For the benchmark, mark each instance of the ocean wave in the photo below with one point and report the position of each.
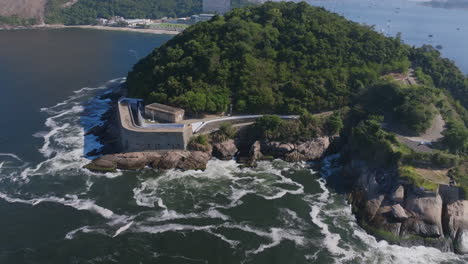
(69, 200)
(65, 143)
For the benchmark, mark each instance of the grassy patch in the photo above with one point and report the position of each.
(17, 21)
(381, 234)
(409, 173)
(460, 175)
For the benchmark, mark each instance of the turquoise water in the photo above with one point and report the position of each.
(53, 211)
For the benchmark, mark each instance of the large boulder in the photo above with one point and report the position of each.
(103, 164)
(456, 217)
(461, 242)
(419, 227)
(255, 152)
(197, 160)
(225, 150)
(131, 161)
(398, 195)
(152, 158)
(172, 159)
(372, 206)
(184, 160)
(380, 222)
(398, 213)
(428, 214)
(314, 149)
(294, 156)
(277, 149)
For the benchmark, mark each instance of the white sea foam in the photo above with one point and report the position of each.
(65, 144)
(362, 247)
(11, 155)
(122, 229)
(11, 161)
(69, 200)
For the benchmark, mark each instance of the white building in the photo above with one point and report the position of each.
(138, 22)
(199, 18)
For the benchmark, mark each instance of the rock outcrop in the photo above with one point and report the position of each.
(291, 152)
(225, 150)
(461, 242)
(456, 218)
(184, 160)
(411, 215)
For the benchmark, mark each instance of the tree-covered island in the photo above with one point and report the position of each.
(396, 114)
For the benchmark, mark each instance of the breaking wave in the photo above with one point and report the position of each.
(64, 149)
(299, 209)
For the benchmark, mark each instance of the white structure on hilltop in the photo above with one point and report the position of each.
(216, 6)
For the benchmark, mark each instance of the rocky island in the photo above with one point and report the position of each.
(396, 115)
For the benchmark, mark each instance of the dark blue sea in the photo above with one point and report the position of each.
(53, 211)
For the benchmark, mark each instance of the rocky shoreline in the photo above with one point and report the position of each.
(385, 205)
(394, 210)
(242, 148)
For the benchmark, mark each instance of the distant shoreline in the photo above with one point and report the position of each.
(138, 30)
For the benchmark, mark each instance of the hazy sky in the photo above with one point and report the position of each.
(448, 3)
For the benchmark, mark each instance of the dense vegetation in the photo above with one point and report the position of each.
(307, 127)
(86, 11)
(443, 73)
(16, 21)
(411, 106)
(274, 58)
(296, 59)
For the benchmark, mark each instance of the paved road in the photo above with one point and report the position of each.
(433, 134)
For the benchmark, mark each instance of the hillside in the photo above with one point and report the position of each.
(287, 58)
(274, 58)
(86, 11)
(23, 9)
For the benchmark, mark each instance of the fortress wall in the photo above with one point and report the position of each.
(133, 141)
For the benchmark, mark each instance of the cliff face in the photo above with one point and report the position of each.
(24, 9)
(397, 211)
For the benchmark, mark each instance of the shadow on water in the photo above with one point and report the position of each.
(99, 137)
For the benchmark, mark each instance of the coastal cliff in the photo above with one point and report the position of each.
(395, 210)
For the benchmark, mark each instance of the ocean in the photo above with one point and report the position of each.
(53, 211)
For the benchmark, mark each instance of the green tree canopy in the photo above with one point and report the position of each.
(274, 58)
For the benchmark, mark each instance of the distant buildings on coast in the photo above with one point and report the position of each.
(210, 9)
(175, 24)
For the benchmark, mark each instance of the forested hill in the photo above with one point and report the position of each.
(275, 58)
(86, 11)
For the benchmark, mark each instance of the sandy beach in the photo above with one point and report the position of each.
(139, 30)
